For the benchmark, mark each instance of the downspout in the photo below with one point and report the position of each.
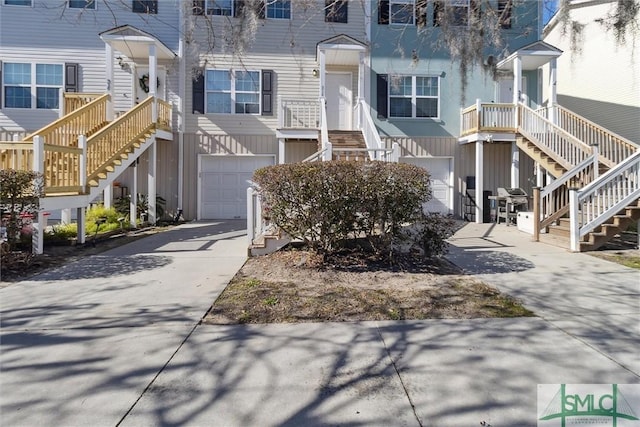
(182, 75)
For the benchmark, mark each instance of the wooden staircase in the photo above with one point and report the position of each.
(559, 231)
(348, 145)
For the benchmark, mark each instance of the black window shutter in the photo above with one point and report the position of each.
(238, 8)
(383, 12)
(382, 81)
(71, 78)
(267, 92)
(198, 7)
(421, 13)
(198, 95)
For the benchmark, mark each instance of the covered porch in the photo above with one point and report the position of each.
(502, 122)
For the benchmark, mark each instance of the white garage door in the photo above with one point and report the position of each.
(223, 184)
(441, 181)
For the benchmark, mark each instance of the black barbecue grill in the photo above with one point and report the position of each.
(509, 202)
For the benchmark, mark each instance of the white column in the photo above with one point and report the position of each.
(153, 79)
(151, 181)
(539, 176)
(322, 73)
(515, 165)
(37, 239)
(133, 208)
(108, 60)
(479, 181)
(517, 86)
(553, 94)
(361, 73)
(65, 216)
(281, 151)
(81, 214)
(107, 196)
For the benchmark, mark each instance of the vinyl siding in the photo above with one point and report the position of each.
(599, 80)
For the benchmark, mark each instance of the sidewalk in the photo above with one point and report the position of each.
(80, 350)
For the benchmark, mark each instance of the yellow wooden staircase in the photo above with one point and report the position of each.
(82, 153)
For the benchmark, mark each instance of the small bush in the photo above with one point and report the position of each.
(326, 203)
(429, 234)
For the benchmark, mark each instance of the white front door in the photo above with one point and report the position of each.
(439, 169)
(339, 101)
(142, 85)
(505, 91)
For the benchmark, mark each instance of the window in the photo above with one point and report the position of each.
(24, 83)
(82, 4)
(414, 97)
(220, 7)
(279, 9)
(18, 2)
(504, 13)
(232, 92)
(336, 11)
(457, 12)
(401, 12)
(145, 6)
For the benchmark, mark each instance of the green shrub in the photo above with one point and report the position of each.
(429, 234)
(326, 203)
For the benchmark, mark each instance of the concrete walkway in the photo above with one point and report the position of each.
(114, 339)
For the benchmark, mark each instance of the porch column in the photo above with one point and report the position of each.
(539, 176)
(553, 92)
(517, 86)
(515, 165)
(65, 216)
(361, 73)
(133, 208)
(81, 214)
(281, 152)
(107, 196)
(323, 72)
(151, 182)
(153, 80)
(479, 181)
(110, 78)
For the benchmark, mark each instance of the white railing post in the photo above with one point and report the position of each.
(250, 217)
(574, 224)
(596, 153)
(82, 179)
(280, 112)
(61, 103)
(327, 155)
(81, 217)
(395, 157)
(479, 113)
(38, 154)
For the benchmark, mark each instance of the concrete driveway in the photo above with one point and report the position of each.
(115, 340)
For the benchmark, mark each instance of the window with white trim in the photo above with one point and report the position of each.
(82, 4)
(401, 12)
(414, 97)
(17, 2)
(279, 9)
(458, 12)
(220, 7)
(232, 92)
(32, 85)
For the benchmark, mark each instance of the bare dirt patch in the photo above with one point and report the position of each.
(295, 286)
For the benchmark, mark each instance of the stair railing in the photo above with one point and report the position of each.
(561, 146)
(613, 148)
(377, 149)
(552, 202)
(83, 121)
(74, 100)
(116, 139)
(325, 145)
(603, 198)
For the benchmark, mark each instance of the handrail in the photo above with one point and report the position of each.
(16, 155)
(110, 142)
(75, 100)
(612, 147)
(82, 121)
(315, 156)
(164, 114)
(600, 200)
(554, 198)
(371, 136)
(564, 148)
(298, 113)
(488, 117)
